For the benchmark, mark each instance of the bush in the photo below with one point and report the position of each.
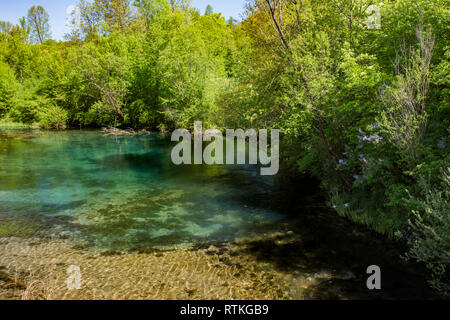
(53, 117)
(24, 111)
(141, 116)
(99, 114)
(8, 86)
(429, 231)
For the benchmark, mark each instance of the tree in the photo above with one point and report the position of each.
(8, 85)
(405, 118)
(101, 16)
(38, 20)
(24, 26)
(104, 69)
(209, 10)
(113, 12)
(5, 26)
(231, 21)
(429, 223)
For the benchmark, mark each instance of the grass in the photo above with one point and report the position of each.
(377, 222)
(372, 223)
(5, 124)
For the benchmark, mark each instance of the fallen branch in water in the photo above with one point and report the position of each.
(119, 132)
(122, 132)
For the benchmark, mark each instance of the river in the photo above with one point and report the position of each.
(122, 194)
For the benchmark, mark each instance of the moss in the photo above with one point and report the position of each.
(110, 253)
(16, 229)
(151, 251)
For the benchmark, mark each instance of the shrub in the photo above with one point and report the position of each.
(405, 118)
(99, 114)
(53, 117)
(429, 231)
(24, 111)
(140, 116)
(8, 85)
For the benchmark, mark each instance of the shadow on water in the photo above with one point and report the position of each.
(333, 252)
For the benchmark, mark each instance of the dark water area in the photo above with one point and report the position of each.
(123, 193)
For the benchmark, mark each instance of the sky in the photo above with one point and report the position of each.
(13, 10)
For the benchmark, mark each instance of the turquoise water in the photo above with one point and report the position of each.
(123, 191)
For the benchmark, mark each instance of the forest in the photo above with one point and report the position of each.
(361, 107)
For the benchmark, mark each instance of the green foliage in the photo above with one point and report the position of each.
(99, 114)
(53, 117)
(5, 26)
(365, 126)
(24, 111)
(38, 21)
(364, 111)
(105, 71)
(8, 87)
(429, 235)
(405, 117)
(99, 17)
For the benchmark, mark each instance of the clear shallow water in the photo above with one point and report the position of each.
(123, 192)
